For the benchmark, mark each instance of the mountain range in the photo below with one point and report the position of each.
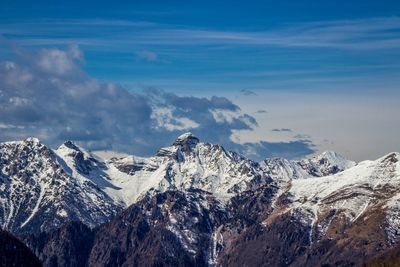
(197, 204)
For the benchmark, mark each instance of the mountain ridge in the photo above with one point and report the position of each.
(215, 206)
(188, 163)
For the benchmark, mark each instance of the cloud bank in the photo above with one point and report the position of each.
(48, 95)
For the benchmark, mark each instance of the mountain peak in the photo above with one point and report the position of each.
(393, 157)
(186, 139)
(330, 153)
(328, 162)
(32, 140)
(331, 157)
(70, 148)
(70, 145)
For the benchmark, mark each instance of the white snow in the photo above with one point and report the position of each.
(189, 164)
(207, 167)
(352, 191)
(38, 202)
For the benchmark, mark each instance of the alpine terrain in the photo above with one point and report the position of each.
(197, 204)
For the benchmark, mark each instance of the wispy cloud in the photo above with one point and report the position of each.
(373, 33)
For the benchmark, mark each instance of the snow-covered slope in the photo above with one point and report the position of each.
(327, 163)
(37, 193)
(324, 164)
(41, 188)
(187, 164)
(363, 181)
(370, 187)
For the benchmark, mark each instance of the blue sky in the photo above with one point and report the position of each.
(193, 45)
(235, 49)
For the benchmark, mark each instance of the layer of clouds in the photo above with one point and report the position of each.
(48, 95)
(355, 34)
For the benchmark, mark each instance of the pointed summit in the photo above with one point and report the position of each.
(326, 163)
(79, 158)
(70, 149)
(390, 158)
(333, 158)
(71, 145)
(186, 140)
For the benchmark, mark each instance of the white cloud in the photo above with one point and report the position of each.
(10, 126)
(60, 102)
(58, 61)
(222, 116)
(164, 118)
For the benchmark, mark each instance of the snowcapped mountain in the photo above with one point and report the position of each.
(213, 205)
(369, 188)
(327, 163)
(335, 220)
(37, 193)
(187, 164)
(71, 183)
